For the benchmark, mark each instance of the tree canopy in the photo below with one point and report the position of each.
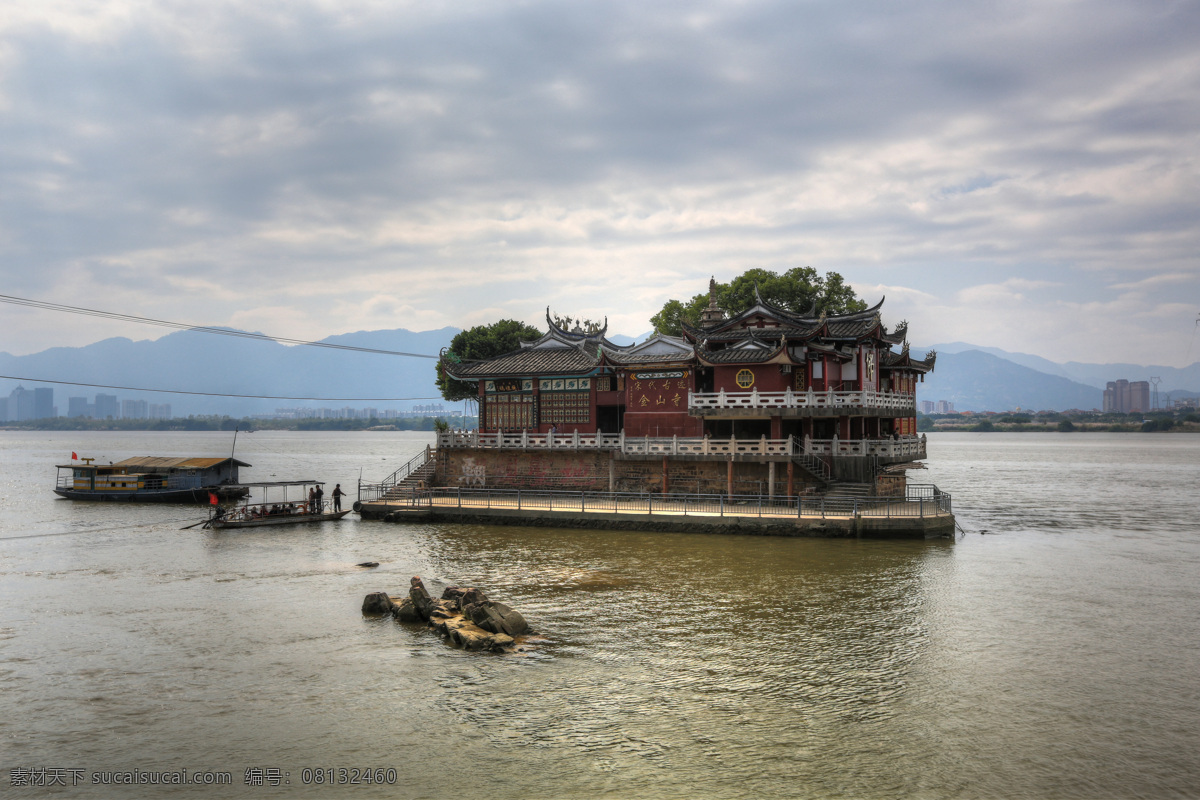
(798, 290)
(478, 343)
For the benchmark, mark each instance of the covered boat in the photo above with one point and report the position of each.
(152, 479)
(285, 508)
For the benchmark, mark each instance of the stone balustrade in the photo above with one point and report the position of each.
(903, 447)
(890, 401)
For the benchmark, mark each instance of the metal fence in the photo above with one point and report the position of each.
(921, 500)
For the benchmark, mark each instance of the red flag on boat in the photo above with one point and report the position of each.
(212, 499)
(74, 456)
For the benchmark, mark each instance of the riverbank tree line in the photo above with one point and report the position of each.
(1180, 421)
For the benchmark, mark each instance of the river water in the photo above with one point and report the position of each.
(1049, 652)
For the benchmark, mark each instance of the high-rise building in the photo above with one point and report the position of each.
(43, 404)
(134, 409)
(80, 407)
(20, 405)
(1123, 397)
(160, 411)
(106, 406)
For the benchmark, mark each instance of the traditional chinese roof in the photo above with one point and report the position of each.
(785, 338)
(897, 336)
(856, 325)
(751, 351)
(557, 352)
(658, 349)
(904, 360)
(565, 361)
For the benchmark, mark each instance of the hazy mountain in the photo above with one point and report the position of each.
(977, 381)
(228, 365)
(1173, 379)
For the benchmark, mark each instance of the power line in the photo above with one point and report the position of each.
(21, 301)
(220, 394)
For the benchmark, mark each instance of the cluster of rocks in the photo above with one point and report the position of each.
(465, 617)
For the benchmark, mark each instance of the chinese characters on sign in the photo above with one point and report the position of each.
(658, 391)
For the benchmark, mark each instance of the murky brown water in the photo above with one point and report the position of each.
(1054, 656)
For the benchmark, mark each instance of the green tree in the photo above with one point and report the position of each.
(476, 344)
(799, 290)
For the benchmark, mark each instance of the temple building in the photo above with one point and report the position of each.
(766, 401)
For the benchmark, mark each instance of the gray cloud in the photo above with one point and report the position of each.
(482, 158)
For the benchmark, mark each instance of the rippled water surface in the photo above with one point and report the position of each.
(1049, 652)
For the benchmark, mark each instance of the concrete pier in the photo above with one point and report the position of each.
(894, 520)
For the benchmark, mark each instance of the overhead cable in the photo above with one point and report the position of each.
(21, 301)
(221, 394)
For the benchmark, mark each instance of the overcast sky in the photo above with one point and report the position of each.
(1021, 175)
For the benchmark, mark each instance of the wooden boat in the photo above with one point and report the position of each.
(280, 511)
(152, 479)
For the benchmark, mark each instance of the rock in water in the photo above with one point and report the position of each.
(514, 623)
(421, 600)
(377, 603)
(405, 611)
(368, 564)
(463, 616)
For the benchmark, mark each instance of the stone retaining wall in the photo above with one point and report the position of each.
(602, 471)
(834, 527)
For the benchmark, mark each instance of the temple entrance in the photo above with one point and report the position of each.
(824, 428)
(609, 419)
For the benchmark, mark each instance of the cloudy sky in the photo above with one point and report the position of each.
(1022, 175)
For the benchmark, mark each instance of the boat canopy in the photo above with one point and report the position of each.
(271, 484)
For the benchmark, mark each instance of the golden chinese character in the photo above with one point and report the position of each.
(676, 399)
(662, 401)
(645, 400)
(651, 384)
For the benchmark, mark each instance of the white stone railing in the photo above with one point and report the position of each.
(723, 400)
(904, 447)
(530, 441)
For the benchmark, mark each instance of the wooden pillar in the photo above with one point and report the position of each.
(664, 489)
(776, 427)
(771, 479)
(791, 468)
(612, 473)
(729, 479)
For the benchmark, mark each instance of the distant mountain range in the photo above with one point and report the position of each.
(977, 378)
(206, 363)
(972, 377)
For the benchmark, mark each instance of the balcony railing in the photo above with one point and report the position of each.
(903, 447)
(721, 401)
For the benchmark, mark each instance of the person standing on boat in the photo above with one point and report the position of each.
(338, 494)
(320, 495)
(312, 500)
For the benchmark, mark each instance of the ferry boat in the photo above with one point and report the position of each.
(280, 511)
(152, 479)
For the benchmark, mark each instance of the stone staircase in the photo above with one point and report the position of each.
(815, 467)
(420, 474)
(842, 489)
